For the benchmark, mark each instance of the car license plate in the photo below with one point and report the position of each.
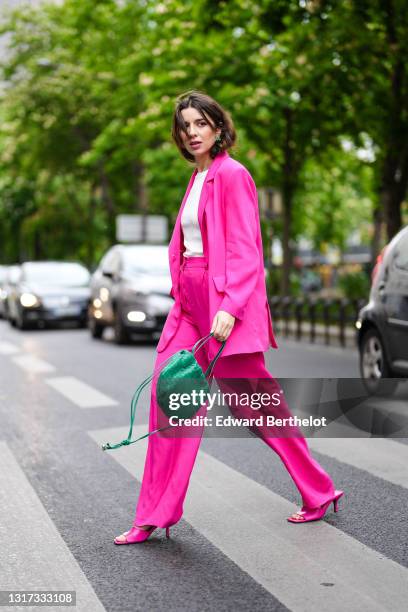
(67, 311)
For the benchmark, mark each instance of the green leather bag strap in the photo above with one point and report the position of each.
(210, 368)
(200, 343)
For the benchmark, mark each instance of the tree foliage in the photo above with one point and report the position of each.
(89, 90)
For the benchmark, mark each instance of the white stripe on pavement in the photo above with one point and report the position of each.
(80, 393)
(33, 364)
(247, 522)
(7, 348)
(33, 554)
(381, 457)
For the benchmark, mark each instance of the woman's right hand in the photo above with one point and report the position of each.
(222, 325)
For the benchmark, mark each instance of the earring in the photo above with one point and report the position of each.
(218, 139)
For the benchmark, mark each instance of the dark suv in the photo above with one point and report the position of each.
(131, 291)
(382, 325)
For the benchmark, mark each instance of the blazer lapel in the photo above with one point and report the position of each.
(217, 161)
(175, 242)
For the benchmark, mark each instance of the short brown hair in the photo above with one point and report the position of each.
(209, 110)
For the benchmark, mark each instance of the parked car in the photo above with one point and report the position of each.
(382, 325)
(49, 291)
(3, 292)
(130, 291)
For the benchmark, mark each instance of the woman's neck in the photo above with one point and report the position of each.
(203, 163)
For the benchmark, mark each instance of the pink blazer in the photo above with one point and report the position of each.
(228, 215)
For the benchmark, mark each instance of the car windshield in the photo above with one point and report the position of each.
(153, 263)
(58, 274)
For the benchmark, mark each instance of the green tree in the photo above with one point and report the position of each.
(369, 40)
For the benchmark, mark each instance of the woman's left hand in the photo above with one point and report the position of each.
(222, 325)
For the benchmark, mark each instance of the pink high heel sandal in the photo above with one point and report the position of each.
(135, 534)
(315, 514)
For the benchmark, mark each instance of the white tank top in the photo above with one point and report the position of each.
(193, 245)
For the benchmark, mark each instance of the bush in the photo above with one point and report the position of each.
(354, 285)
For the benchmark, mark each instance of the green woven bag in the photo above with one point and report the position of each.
(180, 373)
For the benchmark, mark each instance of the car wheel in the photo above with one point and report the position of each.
(95, 328)
(374, 367)
(120, 331)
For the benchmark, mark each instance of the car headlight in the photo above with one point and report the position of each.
(104, 294)
(28, 300)
(136, 316)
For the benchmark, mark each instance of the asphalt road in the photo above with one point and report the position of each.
(63, 500)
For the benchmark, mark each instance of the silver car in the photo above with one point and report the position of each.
(130, 291)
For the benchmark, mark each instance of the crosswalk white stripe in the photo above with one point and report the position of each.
(247, 522)
(80, 393)
(381, 457)
(7, 348)
(33, 554)
(33, 364)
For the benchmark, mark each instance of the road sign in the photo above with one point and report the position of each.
(148, 229)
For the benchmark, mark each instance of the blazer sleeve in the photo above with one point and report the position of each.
(242, 228)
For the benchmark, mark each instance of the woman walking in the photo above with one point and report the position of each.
(218, 284)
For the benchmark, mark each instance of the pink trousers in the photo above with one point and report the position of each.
(170, 460)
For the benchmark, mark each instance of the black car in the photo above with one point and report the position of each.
(49, 291)
(131, 291)
(382, 325)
